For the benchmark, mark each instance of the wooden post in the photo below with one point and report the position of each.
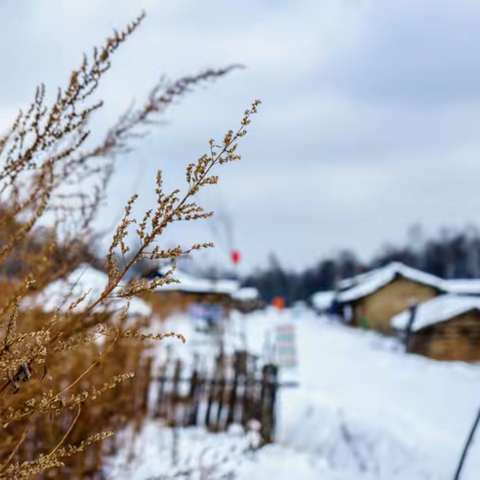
(267, 401)
(244, 403)
(212, 394)
(232, 401)
(193, 399)
(175, 394)
(210, 387)
(273, 400)
(143, 388)
(408, 331)
(160, 407)
(249, 394)
(222, 387)
(257, 393)
(147, 376)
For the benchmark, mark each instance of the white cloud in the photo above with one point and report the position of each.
(368, 123)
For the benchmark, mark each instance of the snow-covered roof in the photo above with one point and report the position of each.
(439, 309)
(246, 294)
(189, 283)
(463, 286)
(323, 300)
(355, 280)
(84, 280)
(367, 283)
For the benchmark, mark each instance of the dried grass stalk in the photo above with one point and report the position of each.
(67, 377)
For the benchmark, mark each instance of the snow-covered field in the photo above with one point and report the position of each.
(363, 410)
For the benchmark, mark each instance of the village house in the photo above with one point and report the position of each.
(247, 300)
(191, 294)
(444, 328)
(371, 299)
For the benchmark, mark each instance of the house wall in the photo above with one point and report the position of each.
(376, 310)
(458, 339)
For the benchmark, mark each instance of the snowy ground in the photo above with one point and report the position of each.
(363, 411)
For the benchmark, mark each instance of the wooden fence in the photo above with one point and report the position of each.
(237, 390)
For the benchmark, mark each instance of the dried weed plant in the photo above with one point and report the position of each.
(68, 376)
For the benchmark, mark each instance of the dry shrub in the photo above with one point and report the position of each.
(68, 376)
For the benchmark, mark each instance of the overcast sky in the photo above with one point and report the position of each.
(370, 119)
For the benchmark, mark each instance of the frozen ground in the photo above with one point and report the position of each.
(363, 411)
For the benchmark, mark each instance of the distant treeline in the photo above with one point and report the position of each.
(450, 254)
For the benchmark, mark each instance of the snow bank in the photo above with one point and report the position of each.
(363, 410)
(187, 453)
(372, 411)
(194, 454)
(85, 280)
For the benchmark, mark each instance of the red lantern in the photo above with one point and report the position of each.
(236, 257)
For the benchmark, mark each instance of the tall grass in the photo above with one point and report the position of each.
(68, 376)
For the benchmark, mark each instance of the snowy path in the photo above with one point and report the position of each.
(364, 407)
(364, 410)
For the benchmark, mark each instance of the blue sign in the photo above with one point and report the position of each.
(207, 312)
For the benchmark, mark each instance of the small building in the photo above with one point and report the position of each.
(444, 328)
(247, 300)
(190, 292)
(371, 299)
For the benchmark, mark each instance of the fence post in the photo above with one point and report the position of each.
(175, 394)
(159, 408)
(147, 377)
(408, 331)
(267, 401)
(193, 398)
(216, 400)
(248, 394)
(232, 401)
(142, 385)
(212, 394)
